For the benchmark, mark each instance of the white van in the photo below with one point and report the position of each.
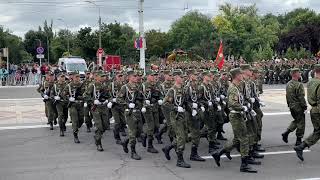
(73, 63)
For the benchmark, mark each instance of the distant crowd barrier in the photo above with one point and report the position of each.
(16, 79)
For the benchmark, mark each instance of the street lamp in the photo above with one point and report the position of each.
(67, 32)
(100, 57)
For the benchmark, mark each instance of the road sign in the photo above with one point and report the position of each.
(100, 51)
(40, 56)
(40, 50)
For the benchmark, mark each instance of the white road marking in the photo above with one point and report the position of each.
(20, 87)
(265, 153)
(21, 99)
(310, 179)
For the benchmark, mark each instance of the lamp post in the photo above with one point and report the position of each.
(40, 44)
(68, 45)
(100, 46)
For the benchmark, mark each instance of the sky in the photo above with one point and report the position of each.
(22, 15)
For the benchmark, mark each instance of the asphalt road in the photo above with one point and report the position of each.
(38, 153)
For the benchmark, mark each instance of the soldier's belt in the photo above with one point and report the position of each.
(236, 112)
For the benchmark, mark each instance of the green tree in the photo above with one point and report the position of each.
(157, 43)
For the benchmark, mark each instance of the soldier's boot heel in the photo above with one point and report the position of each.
(194, 156)
(116, 136)
(75, 138)
(144, 140)
(251, 160)
(258, 148)
(51, 126)
(217, 155)
(134, 154)
(245, 167)
(299, 150)
(99, 145)
(298, 141)
(166, 150)
(125, 145)
(256, 155)
(151, 149)
(285, 136)
(61, 132)
(180, 161)
(55, 122)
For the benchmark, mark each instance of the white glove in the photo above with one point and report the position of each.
(252, 100)
(45, 97)
(106, 102)
(147, 102)
(218, 99)
(224, 103)
(85, 105)
(209, 103)
(245, 109)
(160, 102)
(132, 105)
(114, 100)
(72, 99)
(253, 113)
(194, 112)
(249, 105)
(202, 109)
(262, 104)
(143, 110)
(57, 98)
(96, 102)
(222, 97)
(194, 105)
(109, 105)
(180, 109)
(219, 108)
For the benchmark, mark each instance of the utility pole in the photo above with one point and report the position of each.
(100, 45)
(48, 49)
(141, 31)
(68, 39)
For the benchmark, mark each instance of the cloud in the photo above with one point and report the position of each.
(22, 15)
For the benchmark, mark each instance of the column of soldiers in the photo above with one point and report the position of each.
(185, 104)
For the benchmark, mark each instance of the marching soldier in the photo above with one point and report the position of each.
(238, 123)
(313, 91)
(297, 104)
(73, 93)
(176, 101)
(117, 109)
(130, 96)
(45, 90)
(150, 111)
(98, 93)
(87, 110)
(192, 114)
(206, 101)
(60, 103)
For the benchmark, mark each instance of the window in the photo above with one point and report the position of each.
(76, 67)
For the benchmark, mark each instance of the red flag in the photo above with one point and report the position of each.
(220, 57)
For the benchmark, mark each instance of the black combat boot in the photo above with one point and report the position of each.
(245, 167)
(151, 149)
(76, 139)
(51, 126)
(61, 132)
(285, 135)
(217, 155)
(64, 127)
(181, 162)
(212, 147)
(221, 137)
(258, 148)
(299, 150)
(251, 160)
(144, 140)
(166, 150)
(99, 145)
(255, 154)
(159, 133)
(125, 145)
(134, 154)
(194, 154)
(117, 137)
(298, 141)
(55, 122)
